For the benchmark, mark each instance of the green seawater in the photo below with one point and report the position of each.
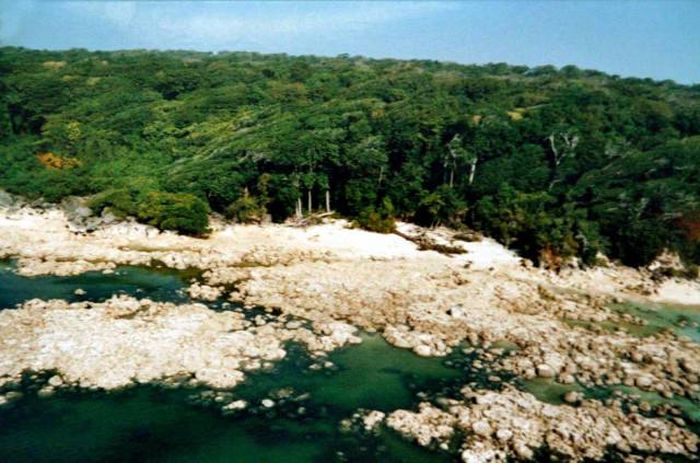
(141, 282)
(682, 320)
(550, 391)
(155, 424)
(690, 408)
(152, 423)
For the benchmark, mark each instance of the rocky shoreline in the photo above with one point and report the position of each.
(125, 341)
(495, 425)
(327, 281)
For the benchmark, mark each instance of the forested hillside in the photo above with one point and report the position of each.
(552, 162)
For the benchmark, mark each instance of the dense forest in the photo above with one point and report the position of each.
(552, 162)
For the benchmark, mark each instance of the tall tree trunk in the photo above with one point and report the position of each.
(298, 212)
(452, 177)
(308, 199)
(472, 171)
(554, 163)
(328, 200)
(568, 143)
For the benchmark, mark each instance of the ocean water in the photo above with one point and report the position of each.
(684, 320)
(157, 284)
(158, 424)
(309, 422)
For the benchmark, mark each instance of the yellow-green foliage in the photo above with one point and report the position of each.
(246, 209)
(380, 220)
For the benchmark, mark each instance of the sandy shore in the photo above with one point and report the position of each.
(340, 279)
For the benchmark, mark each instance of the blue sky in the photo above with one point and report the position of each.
(658, 39)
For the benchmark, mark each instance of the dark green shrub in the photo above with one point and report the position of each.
(379, 220)
(181, 212)
(121, 202)
(538, 228)
(441, 207)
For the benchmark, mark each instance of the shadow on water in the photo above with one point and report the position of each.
(160, 284)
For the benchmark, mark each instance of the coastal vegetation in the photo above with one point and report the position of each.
(262, 334)
(552, 162)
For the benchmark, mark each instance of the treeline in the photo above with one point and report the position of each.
(552, 162)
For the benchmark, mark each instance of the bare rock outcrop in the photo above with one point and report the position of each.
(125, 340)
(496, 425)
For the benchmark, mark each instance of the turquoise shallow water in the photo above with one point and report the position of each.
(684, 320)
(550, 391)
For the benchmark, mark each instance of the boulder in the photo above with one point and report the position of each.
(643, 381)
(77, 212)
(567, 379)
(482, 428)
(522, 451)
(545, 371)
(457, 311)
(6, 199)
(423, 350)
(45, 392)
(573, 397)
(504, 435)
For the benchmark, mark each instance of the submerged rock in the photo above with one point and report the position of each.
(55, 381)
(234, 406)
(46, 392)
(372, 419)
(13, 395)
